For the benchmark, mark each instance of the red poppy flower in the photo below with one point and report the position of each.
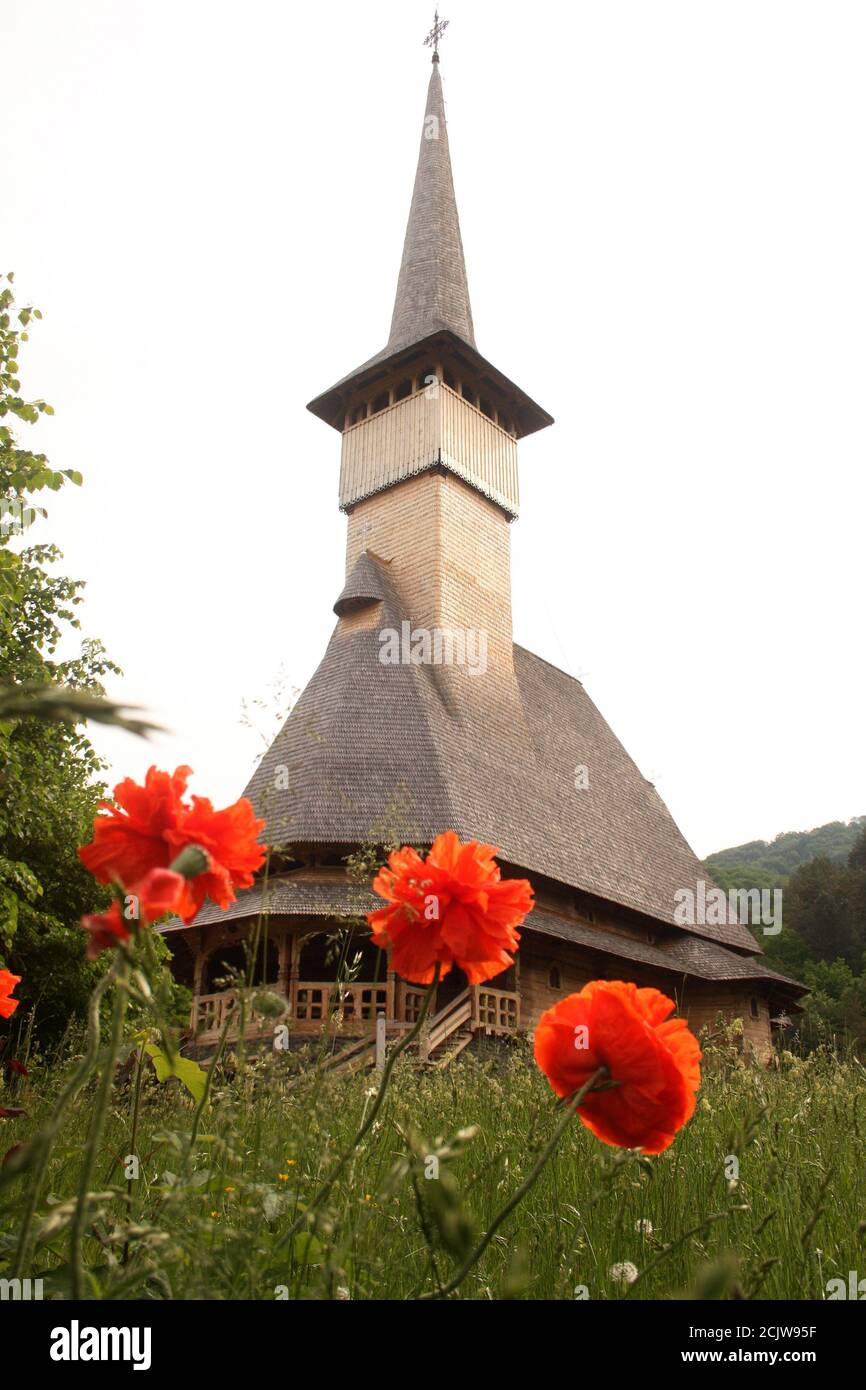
(454, 908)
(8, 1005)
(130, 838)
(149, 825)
(655, 1060)
(229, 838)
(159, 892)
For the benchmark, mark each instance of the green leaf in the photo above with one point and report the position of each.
(307, 1249)
(188, 1072)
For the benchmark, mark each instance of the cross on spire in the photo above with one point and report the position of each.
(432, 39)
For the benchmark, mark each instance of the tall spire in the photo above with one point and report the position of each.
(432, 289)
(431, 326)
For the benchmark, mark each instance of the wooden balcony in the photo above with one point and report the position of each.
(351, 1010)
(424, 429)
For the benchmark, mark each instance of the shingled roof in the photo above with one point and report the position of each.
(681, 954)
(374, 752)
(432, 309)
(311, 892)
(371, 749)
(364, 586)
(432, 288)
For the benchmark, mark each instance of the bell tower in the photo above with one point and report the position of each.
(429, 427)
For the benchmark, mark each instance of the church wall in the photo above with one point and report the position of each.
(449, 552)
(704, 1001)
(699, 1001)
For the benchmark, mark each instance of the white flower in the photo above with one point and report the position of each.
(624, 1273)
(343, 1292)
(643, 1227)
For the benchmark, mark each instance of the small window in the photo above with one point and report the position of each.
(360, 414)
(554, 979)
(381, 402)
(403, 390)
(426, 377)
(468, 393)
(754, 1008)
(486, 408)
(584, 908)
(449, 379)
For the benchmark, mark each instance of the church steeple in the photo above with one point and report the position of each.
(432, 289)
(431, 326)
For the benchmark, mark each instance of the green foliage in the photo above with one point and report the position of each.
(49, 772)
(397, 1225)
(23, 473)
(823, 939)
(768, 864)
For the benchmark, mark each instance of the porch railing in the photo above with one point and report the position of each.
(310, 1005)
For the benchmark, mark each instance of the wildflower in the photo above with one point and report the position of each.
(149, 825)
(342, 1292)
(655, 1064)
(624, 1273)
(453, 908)
(8, 1005)
(159, 892)
(643, 1227)
(368, 1196)
(228, 1189)
(214, 1214)
(290, 1162)
(283, 1177)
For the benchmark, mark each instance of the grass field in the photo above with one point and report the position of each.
(207, 1219)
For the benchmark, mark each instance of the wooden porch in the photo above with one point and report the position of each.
(293, 963)
(350, 1011)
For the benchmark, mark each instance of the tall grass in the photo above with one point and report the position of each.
(442, 1158)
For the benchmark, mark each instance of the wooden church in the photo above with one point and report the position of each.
(424, 715)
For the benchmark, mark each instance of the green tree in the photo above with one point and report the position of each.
(817, 907)
(49, 771)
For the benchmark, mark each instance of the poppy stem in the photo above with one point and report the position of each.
(41, 1144)
(326, 1188)
(517, 1197)
(97, 1128)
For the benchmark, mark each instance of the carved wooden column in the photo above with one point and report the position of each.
(517, 987)
(284, 962)
(294, 969)
(198, 970)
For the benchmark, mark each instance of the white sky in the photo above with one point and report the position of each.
(664, 216)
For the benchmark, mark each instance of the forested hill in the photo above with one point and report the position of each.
(769, 863)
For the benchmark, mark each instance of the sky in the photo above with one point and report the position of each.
(663, 213)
